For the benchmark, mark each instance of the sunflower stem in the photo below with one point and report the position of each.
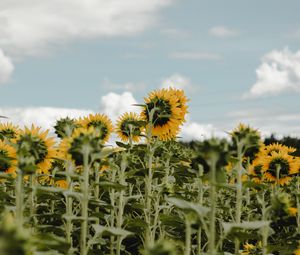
(213, 200)
(239, 192)
(84, 204)
(188, 233)
(265, 229)
(69, 205)
(32, 201)
(19, 198)
(121, 202)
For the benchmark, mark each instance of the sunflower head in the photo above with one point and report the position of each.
(255, 170)
(35, 150)
(61, 184)
(83, 141)
(129, 126)
(100, 122)
(162, 111)
(251, 249)
(7, 158)
(8, 131)
(280, 167)
(65, 127)
(247, 137)
(267, 150)
(181, 102)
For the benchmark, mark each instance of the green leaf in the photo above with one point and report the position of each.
(101, 230)
(188, 206)
(247, 225)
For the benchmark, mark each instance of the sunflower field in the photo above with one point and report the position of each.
(150, 193)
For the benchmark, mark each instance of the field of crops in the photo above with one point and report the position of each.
(150, 193)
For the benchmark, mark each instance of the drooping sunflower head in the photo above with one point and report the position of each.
(162, 112)
(276, 147)
(8, 131)
(35, 150)
(64, 127)
(129, 125)
(247, 136)
(82, 141)
(100, 122)
(280, 167)
(7, 158)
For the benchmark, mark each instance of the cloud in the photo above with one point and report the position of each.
(279, 72)
(223, 32)
(31, 27)
(114, 104)
(185, 55)
(196, 131)
(44, 117)
(176, 81)
(268, 121)
(6, 68)
(175, 33)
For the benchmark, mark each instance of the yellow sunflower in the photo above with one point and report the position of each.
(39, 146)
(8, 131)
(99, 122)
(166, 117)
(255, 170)
(251, 249)
(7, 158)
(182, 102)
(61, 184)
(281, 161)
(128, 126)
(292, 211)
(267, 150)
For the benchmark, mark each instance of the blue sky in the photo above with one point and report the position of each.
(212, 49)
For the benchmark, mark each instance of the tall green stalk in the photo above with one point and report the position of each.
(213, 201)
(239, 193)
(19, 198)
(188, 233)
(69, 205)
(84, 204)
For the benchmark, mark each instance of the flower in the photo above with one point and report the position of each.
(7, 158)
(281, 164)
(99, 122)
(292, 211)
(267, 150)
(61, 184)
(8, 131)
(255, 170)
(164, 110)
(128, 126)
(250, 249)
(65, 127)
(36, 149)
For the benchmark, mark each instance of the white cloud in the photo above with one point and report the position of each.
(268, 121)
(196, 131)
(44, 117)
(279, 72)
(6, 68)
(176, 81)
(223, 32)
(114, 104)
(185, 55)
(29, 27)
(175, 33)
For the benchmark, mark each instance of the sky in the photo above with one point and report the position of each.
(238, 61)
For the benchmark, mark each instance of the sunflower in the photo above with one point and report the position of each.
(64, 127)
(255, 170)
(8, 131)
(285, 164)
(128, 126)
(182, 102)
(81, 140)
(249, 249)
(162, 109)
(35, 144)
(7, 158)
(99, 122)
(61, 184)
(267, 150)
(292, 211)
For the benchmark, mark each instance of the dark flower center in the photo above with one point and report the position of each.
(283, 165)
(4, 161)
(99, 126)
